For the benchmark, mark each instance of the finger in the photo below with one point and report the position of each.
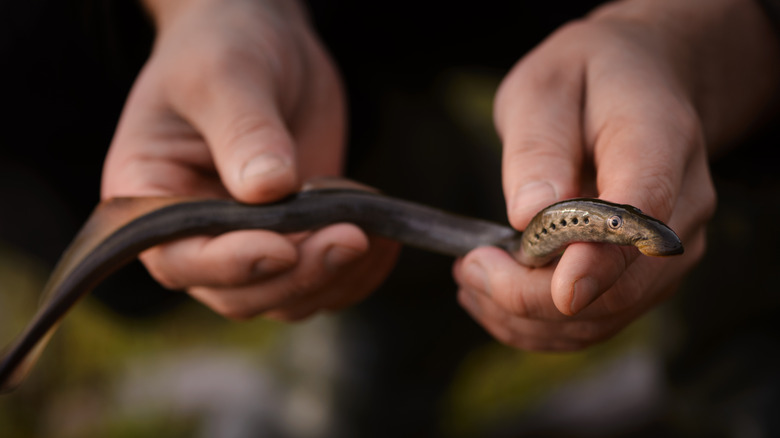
(355, 282)
(585, 272)
(321, 257)
(154, 151)
(644, 134)
(537, 115)
(235, 107)
(538, 335)
(228, 260)
(530, 292)
(520, 290)
(319, 122)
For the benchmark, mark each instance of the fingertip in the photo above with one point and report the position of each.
(493, 273)
(528, 200)
(474, 269)
(585, 272)
(266, 177)
(254, 154)
(475, 276)
(337, 246)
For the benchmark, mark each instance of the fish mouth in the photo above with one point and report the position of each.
(661, 247)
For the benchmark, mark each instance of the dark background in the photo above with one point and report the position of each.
(68, 65)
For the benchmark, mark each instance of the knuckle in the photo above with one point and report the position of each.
(518, 305)
(661, 194)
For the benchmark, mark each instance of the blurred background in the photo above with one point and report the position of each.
(136, 360)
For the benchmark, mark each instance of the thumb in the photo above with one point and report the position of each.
(253, 150)
(537, 115)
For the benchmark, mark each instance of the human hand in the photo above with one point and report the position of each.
(624, 106)
(238, 99)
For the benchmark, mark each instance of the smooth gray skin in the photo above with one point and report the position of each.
(120, 229)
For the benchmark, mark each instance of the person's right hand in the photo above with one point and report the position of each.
(625, 104)
(240, 100)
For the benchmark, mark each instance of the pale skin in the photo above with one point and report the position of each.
(626, 105)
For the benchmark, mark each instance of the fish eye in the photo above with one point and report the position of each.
(615, 222)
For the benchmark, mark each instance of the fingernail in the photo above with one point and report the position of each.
(269, 266)
(263, 164)
(477, 277)
(336, 257)
(586, 290)
(532, 197)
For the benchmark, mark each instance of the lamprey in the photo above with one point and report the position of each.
(119, 229)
